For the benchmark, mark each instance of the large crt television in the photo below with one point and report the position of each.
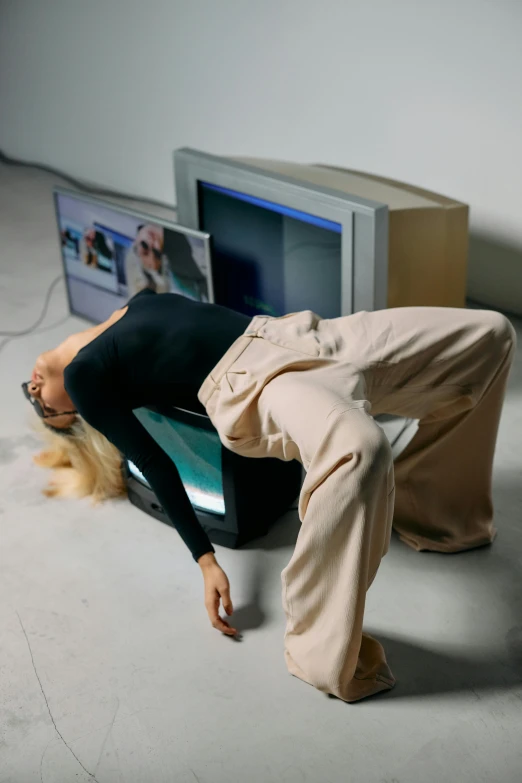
(290, 236)
(281, 245)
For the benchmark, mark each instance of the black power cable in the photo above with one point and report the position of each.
(37, 323)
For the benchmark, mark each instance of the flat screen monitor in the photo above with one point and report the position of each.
(110, 253)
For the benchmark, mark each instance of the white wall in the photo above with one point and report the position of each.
(429, 93)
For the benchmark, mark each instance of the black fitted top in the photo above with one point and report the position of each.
(159, 353)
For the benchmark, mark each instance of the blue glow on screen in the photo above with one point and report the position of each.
(116, 236)
(271, 205)
(195, 452)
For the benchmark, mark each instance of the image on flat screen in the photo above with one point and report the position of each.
(196, 453)
(270, 259)
(109, 256)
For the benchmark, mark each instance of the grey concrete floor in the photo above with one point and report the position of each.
(111, 672)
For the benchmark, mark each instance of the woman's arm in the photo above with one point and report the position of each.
(102, 409)
(92, 390)
(124, 430)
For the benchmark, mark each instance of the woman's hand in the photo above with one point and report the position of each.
(217, 588)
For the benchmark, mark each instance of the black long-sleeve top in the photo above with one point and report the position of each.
(158, 353)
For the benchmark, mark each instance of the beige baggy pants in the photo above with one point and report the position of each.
(301, 387)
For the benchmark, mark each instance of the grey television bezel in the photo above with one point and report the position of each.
(364, 238)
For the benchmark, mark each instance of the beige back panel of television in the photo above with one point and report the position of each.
(428, 233)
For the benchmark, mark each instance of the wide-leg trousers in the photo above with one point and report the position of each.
(306, 388)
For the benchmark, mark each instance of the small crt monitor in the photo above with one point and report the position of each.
(235, 498)
(196, 452)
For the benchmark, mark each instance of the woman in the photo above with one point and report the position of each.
(299, 387)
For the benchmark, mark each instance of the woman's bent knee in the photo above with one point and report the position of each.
(501, 333)
(368, 443)
(378, 453)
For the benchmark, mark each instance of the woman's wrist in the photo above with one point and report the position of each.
(206, 560)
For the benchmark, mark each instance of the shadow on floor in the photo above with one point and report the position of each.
(507, 491)
(489, 253)
(486, 254)
(422, 671)
(282, 534)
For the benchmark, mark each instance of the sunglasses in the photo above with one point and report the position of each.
(38, 408)
(148, 249)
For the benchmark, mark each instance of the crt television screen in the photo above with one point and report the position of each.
(270, 259)
(109, 255)
(197, 454)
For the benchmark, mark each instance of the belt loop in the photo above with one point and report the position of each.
(256, 325)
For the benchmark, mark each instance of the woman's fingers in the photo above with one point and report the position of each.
(225, 598)
(220, 624)
(217, 590)
(224, 627)
(215, 619)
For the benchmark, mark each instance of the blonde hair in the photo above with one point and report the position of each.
(83, 463)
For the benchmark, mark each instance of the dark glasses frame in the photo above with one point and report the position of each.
(149, 249)
(38, 408)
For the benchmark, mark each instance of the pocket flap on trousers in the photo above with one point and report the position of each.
(296, 331)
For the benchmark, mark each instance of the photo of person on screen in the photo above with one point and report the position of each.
(70, 242)
(146, 264)
(162, 260)
(186, 275)
(95, 251)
